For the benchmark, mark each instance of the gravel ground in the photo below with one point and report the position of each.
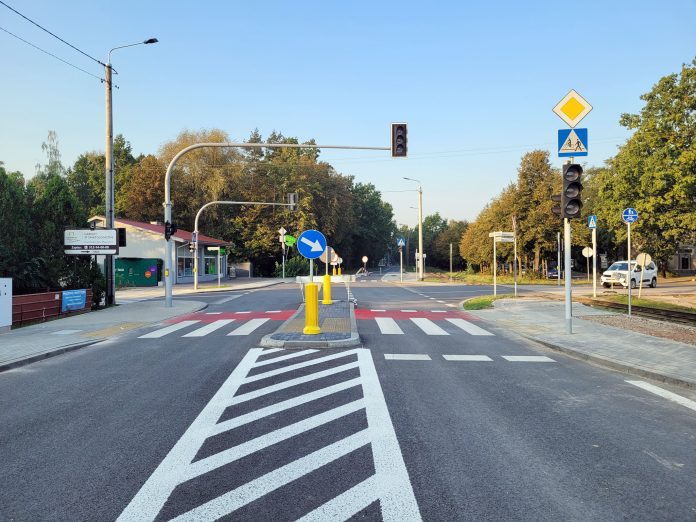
(675, 332)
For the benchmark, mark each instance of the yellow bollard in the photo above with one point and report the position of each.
(339, 270)
(311, 310)
(334, 270)
(326, 290)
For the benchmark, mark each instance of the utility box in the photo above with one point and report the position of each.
(136, 272)
(5, 304)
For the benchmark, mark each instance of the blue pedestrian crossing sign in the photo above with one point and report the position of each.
(592, 221)
(400, 242)
(311, 244)
(629, 215)
(572, 142)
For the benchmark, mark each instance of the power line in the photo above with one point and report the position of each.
(52, 34)
(51, 54)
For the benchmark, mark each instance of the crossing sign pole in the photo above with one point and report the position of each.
(592, 224)
(629, 215)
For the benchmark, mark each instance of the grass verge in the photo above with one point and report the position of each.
(648, 303)
(484, 301)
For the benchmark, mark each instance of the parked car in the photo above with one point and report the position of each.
(552, 273)
(617, 273)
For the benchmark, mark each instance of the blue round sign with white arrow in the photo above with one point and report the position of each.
(629, 215)
(311, 244)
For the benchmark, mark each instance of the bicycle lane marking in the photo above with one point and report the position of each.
(390, 484)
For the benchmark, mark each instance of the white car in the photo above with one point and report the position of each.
(617, 274)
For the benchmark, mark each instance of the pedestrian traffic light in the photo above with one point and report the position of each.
(192, 247)
(292, 201)
(558, 201)
(169, 230)
(572, 190)
(399, 140)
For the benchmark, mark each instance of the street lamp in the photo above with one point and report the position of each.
(420, 228)
(109, 169)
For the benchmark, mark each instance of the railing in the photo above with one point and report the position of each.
(33, 308)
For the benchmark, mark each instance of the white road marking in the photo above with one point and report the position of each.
(527, 358)
(377, 310)
(283, 357)
(450, 305)
(469, 327)
(428, 326)
(213, 313)
(273, 311)
(282, 406)
(293, 367)
(247, 312)
(440, 301)
(226, 299)
(407, 357)
(409, 311)
(249, 326)
(431, 298)
(390, 485)
(388, 326)
(65, 332)
(439, 311)
(208, 328)
(665, 394)
(167, 330)
(470, 358)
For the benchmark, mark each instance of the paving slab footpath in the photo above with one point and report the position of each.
(33, 343)
(543, 321)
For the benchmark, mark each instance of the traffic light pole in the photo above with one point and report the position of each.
(568, 277)
(195, 232)
(168, 301)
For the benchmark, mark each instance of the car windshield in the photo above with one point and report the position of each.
(619, 266)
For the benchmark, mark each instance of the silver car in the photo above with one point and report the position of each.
(617, 274)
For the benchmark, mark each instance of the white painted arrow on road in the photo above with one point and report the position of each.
(316, 246)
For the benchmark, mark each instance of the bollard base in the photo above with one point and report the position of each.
(311, 330)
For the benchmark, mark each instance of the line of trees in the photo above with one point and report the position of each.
(654, 172)
(34, 212)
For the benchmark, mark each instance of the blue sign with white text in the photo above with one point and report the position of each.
(572, 142)
(629, 215)
(400, 242)
(592, 221)
(73, 300)
(311, 244)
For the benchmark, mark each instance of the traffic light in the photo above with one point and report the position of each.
(292, 201)
(192, 247)
(399, 140)
(556, 209)
(169, 230)
(571, 202)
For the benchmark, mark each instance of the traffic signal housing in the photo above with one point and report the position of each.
(169, 230)
(399, 140)
(558, 205)
(292, 201)
(571, 197)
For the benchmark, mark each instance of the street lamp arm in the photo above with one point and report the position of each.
(148, 41)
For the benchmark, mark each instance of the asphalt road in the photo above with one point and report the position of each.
(499, 429)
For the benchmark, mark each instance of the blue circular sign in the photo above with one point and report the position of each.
(311, 244)
(629, 215)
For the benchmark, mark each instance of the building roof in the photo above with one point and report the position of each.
(181, 235)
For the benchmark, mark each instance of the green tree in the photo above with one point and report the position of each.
(14, 222)
(452, 234)
(655, 170)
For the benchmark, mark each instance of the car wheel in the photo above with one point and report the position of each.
(653, 283)
(633, 284)
(606, 285)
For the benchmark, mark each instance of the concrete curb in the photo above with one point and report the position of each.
(613, 364)
(353, 340)
(48, 354)
(59, 350)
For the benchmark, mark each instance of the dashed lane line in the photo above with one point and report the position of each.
(665, 394)
(407, 357)
(468, 358)
(527, 358)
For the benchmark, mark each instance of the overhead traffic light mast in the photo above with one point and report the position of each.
(399, 140)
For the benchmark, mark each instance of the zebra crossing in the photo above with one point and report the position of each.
(203, 324)
(283, 424)
(393, 322)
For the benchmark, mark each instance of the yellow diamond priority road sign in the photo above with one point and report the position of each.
(572, 108)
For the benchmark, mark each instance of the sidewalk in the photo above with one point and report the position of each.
(228, 285)
(32, 343)
(543, 321)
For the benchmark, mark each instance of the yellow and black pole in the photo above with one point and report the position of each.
(311, 305)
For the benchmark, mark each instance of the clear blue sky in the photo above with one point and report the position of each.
(475, 81)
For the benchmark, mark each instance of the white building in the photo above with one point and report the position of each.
(145, 247)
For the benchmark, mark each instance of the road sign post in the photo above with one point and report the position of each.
(592, 224)
(499, 237)
(568, 277)
(629, 215)
(311, 244)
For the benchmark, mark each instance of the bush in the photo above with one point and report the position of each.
(295, 266)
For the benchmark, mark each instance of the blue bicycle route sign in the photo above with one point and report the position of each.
(629, 215)
(311, 244)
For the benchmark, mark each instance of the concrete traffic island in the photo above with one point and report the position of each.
(336, 322)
